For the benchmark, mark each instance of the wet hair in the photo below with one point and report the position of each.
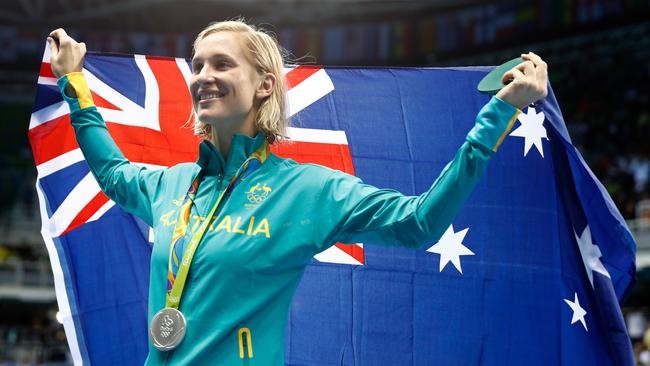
(265, 56)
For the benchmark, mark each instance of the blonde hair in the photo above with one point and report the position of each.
(264, 54)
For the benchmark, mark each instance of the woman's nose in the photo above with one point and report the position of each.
(205, 76)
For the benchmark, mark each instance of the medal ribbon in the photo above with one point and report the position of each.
(177, 270)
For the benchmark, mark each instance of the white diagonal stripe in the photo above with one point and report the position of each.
(152, 95)
(80, 196)
(130, 113)
(308, 91)
(102, 210)
(48, 113)
(60, 162)
(108, 205)
(335, 255)
(76, 200)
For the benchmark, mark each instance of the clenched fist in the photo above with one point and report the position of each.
(529, 82)
(67, 55)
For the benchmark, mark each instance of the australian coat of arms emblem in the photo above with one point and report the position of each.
(258, 193)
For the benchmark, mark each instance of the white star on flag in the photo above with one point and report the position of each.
(578, 312)
(590, 255)
(531, 129)
(450, 248)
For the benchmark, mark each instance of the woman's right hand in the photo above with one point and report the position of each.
(67, 55)
(529, 82)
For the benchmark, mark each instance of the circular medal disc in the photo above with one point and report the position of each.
(167, 329)
(491, 83)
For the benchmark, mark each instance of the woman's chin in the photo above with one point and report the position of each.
(209, 118)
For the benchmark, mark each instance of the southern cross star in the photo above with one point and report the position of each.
(532, 130)
(578, 312)
(590, 255)
(450, 248)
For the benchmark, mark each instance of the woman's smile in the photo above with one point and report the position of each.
(209, 96)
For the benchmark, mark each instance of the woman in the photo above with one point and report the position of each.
(258, 218)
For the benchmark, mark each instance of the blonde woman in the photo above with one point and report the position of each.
(247, 221)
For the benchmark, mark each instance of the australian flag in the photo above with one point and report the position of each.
(532, 271)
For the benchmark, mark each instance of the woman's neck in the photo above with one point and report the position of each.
(222, 138)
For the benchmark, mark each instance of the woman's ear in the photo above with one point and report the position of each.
(266, 86)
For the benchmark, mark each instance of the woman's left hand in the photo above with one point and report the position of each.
(529, 82)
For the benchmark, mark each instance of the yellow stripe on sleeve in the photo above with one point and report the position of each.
(508, 128)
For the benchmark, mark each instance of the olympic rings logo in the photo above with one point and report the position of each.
(258, 193)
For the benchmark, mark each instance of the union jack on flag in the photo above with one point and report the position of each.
(146, 104)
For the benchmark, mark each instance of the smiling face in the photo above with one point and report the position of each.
(224, 84)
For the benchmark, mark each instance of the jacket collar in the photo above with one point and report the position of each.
(241, 147)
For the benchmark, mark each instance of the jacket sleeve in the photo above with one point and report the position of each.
(130, 186)
(352, 211)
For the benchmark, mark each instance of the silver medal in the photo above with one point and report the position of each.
(167, 329)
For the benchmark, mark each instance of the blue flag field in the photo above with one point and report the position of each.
(532, 271)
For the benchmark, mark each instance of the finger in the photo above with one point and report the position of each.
(524, 67)
(54, 32)
(54, 35)
(58, 33)
(528, 68)
(539, 63)
(518, 75)
(62, 38)
(512, 74)
(508, 76)
(542, 81)
(82, 45)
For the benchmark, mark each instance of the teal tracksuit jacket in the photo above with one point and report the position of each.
(266, 231)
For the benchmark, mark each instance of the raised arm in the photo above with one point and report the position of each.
(130, 186)
(351, 211)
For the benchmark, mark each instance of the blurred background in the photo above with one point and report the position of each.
(598, 52)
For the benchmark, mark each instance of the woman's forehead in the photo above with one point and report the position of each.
(223, 42)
